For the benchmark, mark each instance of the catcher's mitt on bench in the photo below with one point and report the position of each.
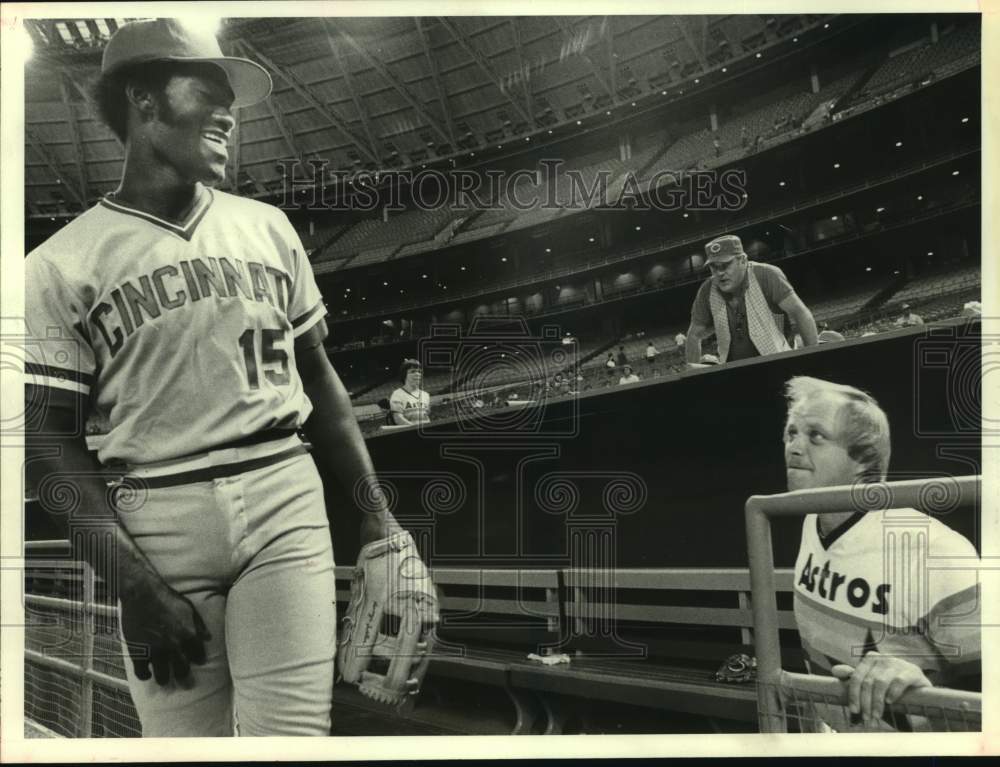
(390, 620)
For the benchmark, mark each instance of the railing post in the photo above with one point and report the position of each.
(765, 614)
(87, 662)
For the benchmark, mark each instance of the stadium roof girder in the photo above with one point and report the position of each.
(595, 70)
(486, 67)
(610, 44)
(53, 164)
(699, 53)
(74, 131)
(279, 119)
(398, 86)
(525, 80)
(449, 122)
(351, 89)
(307, 95)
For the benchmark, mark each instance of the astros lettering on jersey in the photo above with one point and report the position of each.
(879, 583)
(415, 407)
(181, 333)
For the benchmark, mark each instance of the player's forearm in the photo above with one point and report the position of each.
(340, 447)
(92, 525)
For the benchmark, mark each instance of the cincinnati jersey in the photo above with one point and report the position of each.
(181, 333)
(899, 582)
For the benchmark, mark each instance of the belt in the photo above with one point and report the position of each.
(189, 472)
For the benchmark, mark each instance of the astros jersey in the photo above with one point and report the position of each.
(880, 582)
(181, 333)
(414, 407)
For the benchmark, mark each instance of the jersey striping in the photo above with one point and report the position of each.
(180, 333)
(897, 581)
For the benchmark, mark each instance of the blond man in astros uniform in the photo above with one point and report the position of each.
(870, 606)
(190, 320)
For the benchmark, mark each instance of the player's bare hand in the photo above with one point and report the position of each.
(165, 634)
(876, 681)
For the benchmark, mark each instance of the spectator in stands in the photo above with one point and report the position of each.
(890, 627)
(680, 340)
(738, 303)
(609, 365)
(628, 377)
(622, 356)
(650, 354)
(410, 404)
(744, 137)
(909, 318)
(715, 144)
(972, 309)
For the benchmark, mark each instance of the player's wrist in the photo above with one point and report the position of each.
(378, 525)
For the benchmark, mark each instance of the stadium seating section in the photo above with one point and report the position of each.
(938, 296)
(773, 117)
(955, 45)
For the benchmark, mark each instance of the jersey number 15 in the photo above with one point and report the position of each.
(271, 357)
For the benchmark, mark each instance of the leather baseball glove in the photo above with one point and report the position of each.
(389, 621)
(738, 669)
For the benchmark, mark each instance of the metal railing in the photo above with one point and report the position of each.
(812, 702)
(73, 619)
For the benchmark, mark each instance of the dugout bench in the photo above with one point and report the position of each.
(647, 638)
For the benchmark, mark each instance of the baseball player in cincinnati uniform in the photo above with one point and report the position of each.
(192, 323)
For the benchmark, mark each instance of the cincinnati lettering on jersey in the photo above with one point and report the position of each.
(827, 584)
(170, 287)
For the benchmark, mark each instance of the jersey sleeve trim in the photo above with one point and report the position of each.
(58, 378)
(302, 323)
(964, 602)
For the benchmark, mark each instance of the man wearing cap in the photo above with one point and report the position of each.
(738, 303)
(189, 319)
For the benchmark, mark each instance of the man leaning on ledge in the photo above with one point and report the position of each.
(739, 303)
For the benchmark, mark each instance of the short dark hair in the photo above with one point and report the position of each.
(108, 91)
(407, 366)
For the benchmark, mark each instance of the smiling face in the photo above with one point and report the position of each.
(414, 377)
(816, 454)
(189, 129)
(728, 275)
